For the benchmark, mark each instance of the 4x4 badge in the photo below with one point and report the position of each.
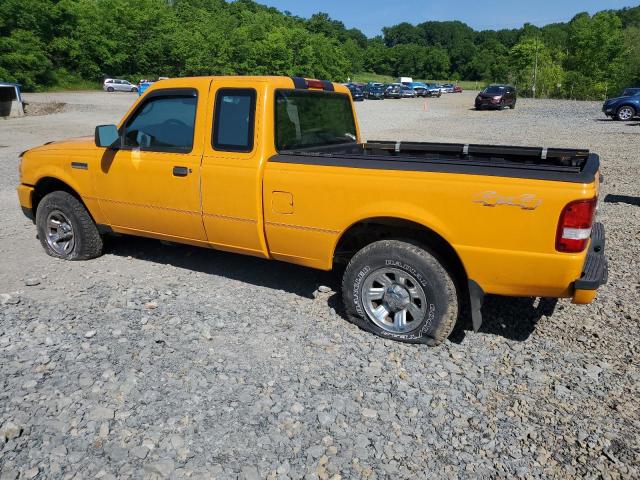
(526, 201)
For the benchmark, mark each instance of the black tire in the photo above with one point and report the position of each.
(87, 242)
(512, 106)
(625, 113)
(109, 89)
(422, 271)
(134, 89)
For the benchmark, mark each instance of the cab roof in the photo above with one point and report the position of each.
(272, 81)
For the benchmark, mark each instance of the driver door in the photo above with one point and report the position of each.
(151, 185)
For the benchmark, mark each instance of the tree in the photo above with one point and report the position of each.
(596, 51)
(49, 42)
(22, 59)
(533, 68)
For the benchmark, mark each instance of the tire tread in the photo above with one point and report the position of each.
(88, 240)
(449, 318)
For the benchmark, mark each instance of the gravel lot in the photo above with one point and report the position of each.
(162, 361)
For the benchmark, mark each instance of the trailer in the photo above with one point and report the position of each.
(11, 104)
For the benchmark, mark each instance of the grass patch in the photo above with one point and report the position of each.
(63, 80)
(76, 85)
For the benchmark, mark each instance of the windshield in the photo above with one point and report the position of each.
(306, 118)
(629, 92)
(495, 90)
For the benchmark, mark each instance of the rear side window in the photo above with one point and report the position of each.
(307, 118)
(234, 118)
(163, 124)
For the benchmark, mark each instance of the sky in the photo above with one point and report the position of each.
(371, 15)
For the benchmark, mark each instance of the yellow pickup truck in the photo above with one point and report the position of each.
(275, 167)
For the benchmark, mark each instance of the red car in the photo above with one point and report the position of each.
(457, 89)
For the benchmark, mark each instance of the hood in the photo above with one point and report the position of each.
(78, 143)
(615, 99)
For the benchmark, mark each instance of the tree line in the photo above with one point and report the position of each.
(58, 43)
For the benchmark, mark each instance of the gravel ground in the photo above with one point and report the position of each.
(160, 361)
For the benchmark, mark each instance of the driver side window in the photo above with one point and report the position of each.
(163, 124)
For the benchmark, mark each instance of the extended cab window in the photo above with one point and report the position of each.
(307, 118)
(233, 123)
(164, 123)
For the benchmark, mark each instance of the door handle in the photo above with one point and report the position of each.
(181, 171)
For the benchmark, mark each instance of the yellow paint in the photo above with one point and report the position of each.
(297, 213)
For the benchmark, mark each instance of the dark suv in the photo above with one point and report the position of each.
(374, 92)
(357, 92)
(393, 91)
(497, 96)
(624, 107)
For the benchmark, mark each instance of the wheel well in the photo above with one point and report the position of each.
(371, 230)
(46, 185)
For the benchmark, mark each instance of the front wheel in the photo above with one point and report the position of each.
(134, 89)
(625, 113)
(400, 291)
(65, 228)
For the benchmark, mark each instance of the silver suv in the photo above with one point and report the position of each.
(115, 85)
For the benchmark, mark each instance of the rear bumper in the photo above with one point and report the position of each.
(595, 271)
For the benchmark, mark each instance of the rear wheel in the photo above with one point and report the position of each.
(400, 291)
(109, 89)
(625, 113)
(65, 228)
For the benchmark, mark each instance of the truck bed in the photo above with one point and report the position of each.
(558, 164)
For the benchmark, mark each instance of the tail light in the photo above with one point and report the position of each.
(312, 83)
(574, 226)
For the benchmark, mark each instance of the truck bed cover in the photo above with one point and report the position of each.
(557, 164)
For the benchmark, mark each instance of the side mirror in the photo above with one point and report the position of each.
(107, 136)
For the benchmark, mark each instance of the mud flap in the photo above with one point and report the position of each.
(476, 298)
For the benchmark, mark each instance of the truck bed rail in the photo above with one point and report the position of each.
(556, 164)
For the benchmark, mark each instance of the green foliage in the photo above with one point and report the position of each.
(534, 70)
(71, 43)
(22, 59)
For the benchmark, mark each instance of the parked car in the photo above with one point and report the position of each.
(118, 85)
(143, 86)
(418, 87)
(448, 87)
(624, 107)
(433, 90)
(393, 91)
(408, 92)
(357, 92)
(374, 92)
(497, 96)
(457, 221)
(457, 89)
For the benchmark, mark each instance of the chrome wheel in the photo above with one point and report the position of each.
(394, 300)
(59, 233)
(625, 113)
